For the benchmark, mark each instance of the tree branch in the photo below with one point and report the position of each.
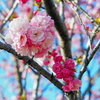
(84, 12)
(61, 28)
(9, 14)
(32, 63)
(92, 81)
(87, 61)
(18, 76)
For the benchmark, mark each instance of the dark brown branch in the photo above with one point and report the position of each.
(32, 63)
(61, 28)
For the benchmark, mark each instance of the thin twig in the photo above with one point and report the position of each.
(9, 14)
(4, 6)
(92, 82)
(84, 67)
(84, 12)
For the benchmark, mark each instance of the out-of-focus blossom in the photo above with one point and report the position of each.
(23, 1)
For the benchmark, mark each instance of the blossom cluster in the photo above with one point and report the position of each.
(34, 37)
(65, 70)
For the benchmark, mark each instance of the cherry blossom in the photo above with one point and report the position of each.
(58, 59)
(69, 63)
(72, 85)
(38, 0)
(35, 37)
(23, 1)
(75, 84)
(57, 67)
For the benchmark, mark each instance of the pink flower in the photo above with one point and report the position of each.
(8, 38)
(65, 72)
(35, 12)
(21, 40)
(23, 1)
(67, 78)
(48, 56)
(38, 0)
(34, 38)
(48, 41)
(46, 62)
(19, 24)
(69, 63)
(16, 35)
(66, 88)
(75, 84)
(26, 8)
(57, 67)
(54, 53)
(36, 35)
(57, 59)
(72, 85)
(59, 75)
(42, 20)
(41, 52)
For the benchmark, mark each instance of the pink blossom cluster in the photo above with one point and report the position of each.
(34, 37)
(65, 70)
(49, 57)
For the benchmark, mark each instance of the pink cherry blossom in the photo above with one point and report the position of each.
(41, 52)
(16, 35)
(54, 53)
(66, 88)
(21, 40)
(59, 75)
(38, 0)
(34, 38)
(25, 8)
(42, 20)
(65, 72)
(57, 59)
(46, 62)
(23, 1)
(67, 78)
(75, 84)
(69, 63)
(36, 35)
(57, 67)
(72, 85)
(48, 41)
(19, 24)
(35, 12)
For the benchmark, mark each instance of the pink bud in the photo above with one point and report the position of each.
(46, 62)
(35, 12)
(87, 27)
